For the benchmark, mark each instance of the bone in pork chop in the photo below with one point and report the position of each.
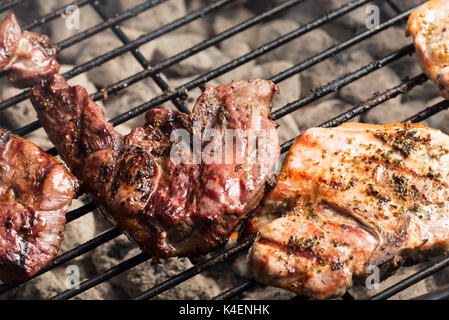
(168, 205)
(429, 26)
(35, 193)
(27, 56)
(352, 197)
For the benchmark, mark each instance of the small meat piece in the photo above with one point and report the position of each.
(35, 193)
(429, 26)
(28, 56)
(350, 198)
(151, 182)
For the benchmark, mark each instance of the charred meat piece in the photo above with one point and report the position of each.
(35, 193)
(429, 26)
(28, 56)
(349, 199)
(151, 182)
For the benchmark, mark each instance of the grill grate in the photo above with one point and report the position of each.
(178, 95)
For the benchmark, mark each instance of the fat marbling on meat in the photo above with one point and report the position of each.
(169, 206)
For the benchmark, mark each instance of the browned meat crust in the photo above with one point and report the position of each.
(35, 193)
(168, 208)
(349, 198)
(28, 56)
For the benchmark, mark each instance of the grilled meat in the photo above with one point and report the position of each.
(148, 182)
(35, 193)
(350, 198)
(429, 25)
(28, 56)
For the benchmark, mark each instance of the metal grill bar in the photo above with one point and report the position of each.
(11, 4)
(130, 13)
(54, 15)
(125, 15)
(308, 63)
(92, 282)
(376, 100)
(79, 212)
(140, 58)
(442, 294)
(428, 112)
(67, 256)
(342, 82)
(394, 6)
(413, 279)
(236, 63)
(84, 35)
(193, 271)
(347, 296)
(231, 293)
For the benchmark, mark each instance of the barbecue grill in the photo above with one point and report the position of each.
(178, 95)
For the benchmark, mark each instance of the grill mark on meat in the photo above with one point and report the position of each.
(41, 175)
(397, 166)
(402, 140)
(306, 252)
(305, 248)
(399, 181)
(81, 131)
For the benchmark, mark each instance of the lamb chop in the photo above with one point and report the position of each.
(151, 182)
(35, 193)
(27, 56)
(429, 26)
(349, 199)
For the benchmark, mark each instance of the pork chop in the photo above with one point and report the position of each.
(349, 199)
